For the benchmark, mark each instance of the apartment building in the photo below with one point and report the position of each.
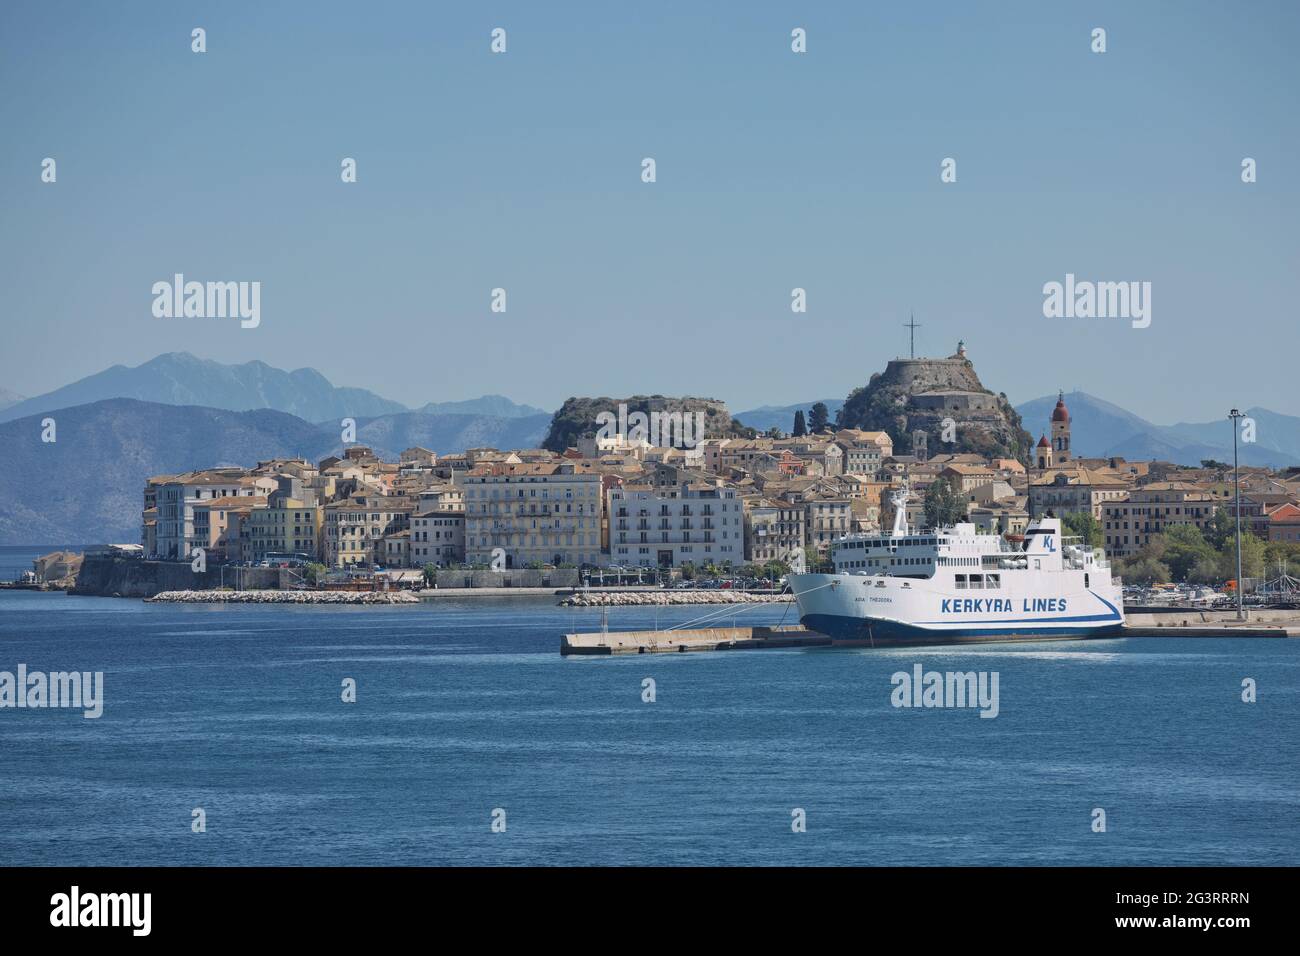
(354, 529)
(546, 513)
(219, 522)
(1129, 523)
(438, 527)
(696, 523)
(176, 497)
(863, 450)
(289, 524)
(775, 531)
(1078, 491)
(826, 519)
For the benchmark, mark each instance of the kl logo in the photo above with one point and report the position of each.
(1048, 545)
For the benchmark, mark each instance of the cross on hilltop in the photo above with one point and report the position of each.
(913, 325)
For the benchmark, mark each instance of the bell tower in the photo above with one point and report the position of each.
(1061, 430)
(1043, 454)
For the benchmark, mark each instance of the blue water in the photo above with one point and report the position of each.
(466, 707)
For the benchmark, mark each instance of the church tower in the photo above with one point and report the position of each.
(1061, 431)
(1043, 458)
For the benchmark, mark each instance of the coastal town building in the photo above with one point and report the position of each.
(534, 514)
(775, 531)
(176, 496)
(355, 528)
(1129, 522)
(697, 524)
(1075, 491)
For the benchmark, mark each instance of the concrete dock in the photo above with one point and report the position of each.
(1260, 622)
(705, 639)
(1220, 624)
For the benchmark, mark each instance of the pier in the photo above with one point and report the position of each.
(704, 639)
(1207, 624)
(1260, 622)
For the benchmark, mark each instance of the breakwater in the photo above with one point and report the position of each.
(284, 597)
(664, 598)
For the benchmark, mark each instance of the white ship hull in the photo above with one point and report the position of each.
(884, 610)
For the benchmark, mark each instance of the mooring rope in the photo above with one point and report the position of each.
(731, 608)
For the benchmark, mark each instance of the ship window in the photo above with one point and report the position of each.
(977, 582)
(993, 580)
(961, 582)
(1085, 579)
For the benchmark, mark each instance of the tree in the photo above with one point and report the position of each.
(818, 418)
(800, 429)
(1143, 570)
(943, 505)
(1206, 571)
(774, 433)
(1083, 525)
(430, 572)
(314, 574)
(814, 560)
(1210, 463)
(1222, 531)
(1185, 548)
(1252, 557)
(687, 568)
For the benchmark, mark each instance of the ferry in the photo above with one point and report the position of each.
(955, 586)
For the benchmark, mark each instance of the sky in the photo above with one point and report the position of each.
(774, 171)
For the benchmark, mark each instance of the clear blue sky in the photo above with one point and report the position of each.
(774, 170)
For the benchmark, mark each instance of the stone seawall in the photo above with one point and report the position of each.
(664, 598)
(107, 576)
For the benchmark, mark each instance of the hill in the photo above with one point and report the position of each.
(86, 486)
(924, 394)
(578, 417)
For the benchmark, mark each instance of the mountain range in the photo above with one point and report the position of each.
(177, 413)
(86, 484)
(782, 416)
(1099, 429)
(8, 398)
(179, 378)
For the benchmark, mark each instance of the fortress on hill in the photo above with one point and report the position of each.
(938, 405)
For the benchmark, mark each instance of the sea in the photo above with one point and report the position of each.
(472, 741)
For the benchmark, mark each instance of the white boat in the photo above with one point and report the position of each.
(954, 585)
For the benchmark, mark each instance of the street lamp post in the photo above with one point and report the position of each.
(1236, 483)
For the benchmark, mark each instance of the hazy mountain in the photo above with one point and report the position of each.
(496, 406)
(8, 398)
(389, 435)
(782, 416)
(1100, 429)
(86, 485)
(179, 378)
